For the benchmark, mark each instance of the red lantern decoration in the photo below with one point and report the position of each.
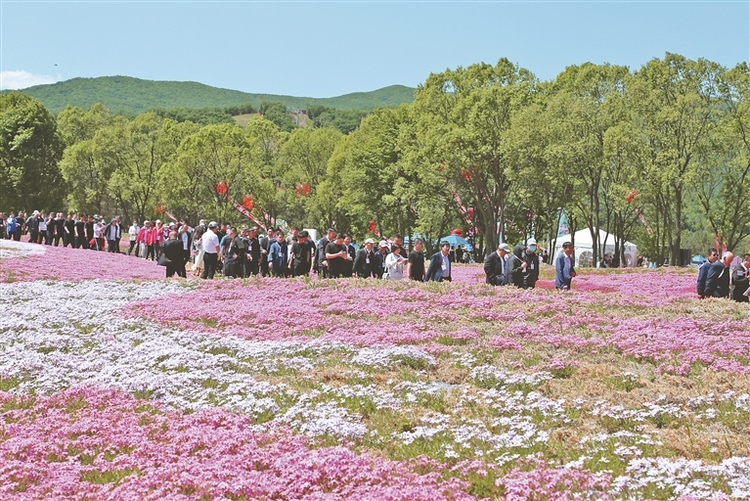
(470, 214)
(247, 202)
(302, 190)
(632, 195)
(222, 187)
(160, 208)
(373, 227)
(458, 232)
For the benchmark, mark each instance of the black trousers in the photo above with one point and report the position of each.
(210, 262)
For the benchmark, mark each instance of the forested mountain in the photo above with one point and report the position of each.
(132, 96)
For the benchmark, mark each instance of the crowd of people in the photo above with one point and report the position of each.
(716, 278)
(78, 231)
(521, 266)
(210, 249)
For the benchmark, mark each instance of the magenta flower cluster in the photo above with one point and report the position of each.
(87, 443)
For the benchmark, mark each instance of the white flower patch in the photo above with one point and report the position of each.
(12, 249)
(687, 478)
(388, 357)
(55, 334)
(491, 376)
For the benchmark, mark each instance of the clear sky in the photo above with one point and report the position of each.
(325, 49)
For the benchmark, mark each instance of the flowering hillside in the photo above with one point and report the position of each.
(117, 384)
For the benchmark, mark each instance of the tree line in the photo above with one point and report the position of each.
(659, 156)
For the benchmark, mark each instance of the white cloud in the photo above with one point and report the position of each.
(21, 79)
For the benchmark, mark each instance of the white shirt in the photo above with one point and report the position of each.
(395, 269)
(134, 232)
(210, 241)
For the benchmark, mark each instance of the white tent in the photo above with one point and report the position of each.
(584, 247)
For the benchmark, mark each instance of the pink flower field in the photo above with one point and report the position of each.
(118, 384)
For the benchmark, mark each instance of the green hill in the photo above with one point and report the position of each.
(132, 96)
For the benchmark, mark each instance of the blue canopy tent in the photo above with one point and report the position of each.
(455, 241)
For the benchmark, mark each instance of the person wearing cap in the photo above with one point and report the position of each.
(496, 267)
(300, 259)
(416, 261)
(530, 265)
(565, 267)
(440, 265)
(364, 262)
(380, 256)
(211, 249)
(253, 254)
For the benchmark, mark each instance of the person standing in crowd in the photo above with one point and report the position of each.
(514, 263)
(440, 265)
(302, 255)
(50, 224)
(254, 253)
(380, 256)
(320, 253)
(59, 229)
(364, 262)
(13, 228)
(172, 251)
(185, 236)
(394, 263)
(265, 243)
(88, 226)
(113, 233)
(133, 235)
(158, 232)
(717, 280)
(210, 251)
(198, 248)
(278, 257)
(349, 268)
(496, 267)
(80, 241)
(2, 226)
(565, 267)
(32, 226)
(337, 257)
(69, 235)
(98, 234)
(530, 265)
(713, 256)
(416, 269)
(741, 280)
(233, 268)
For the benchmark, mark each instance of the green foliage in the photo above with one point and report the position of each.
(30, 149)
(133, 96)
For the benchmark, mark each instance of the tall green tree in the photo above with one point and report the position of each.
(30, 149)
(463, 115)
(677, 107)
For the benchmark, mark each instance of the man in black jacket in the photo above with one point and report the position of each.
(364, 262)
(496, 267)
(717, 281)
(173, 251)
(741, 280)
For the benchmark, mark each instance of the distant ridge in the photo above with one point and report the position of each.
(132, 96)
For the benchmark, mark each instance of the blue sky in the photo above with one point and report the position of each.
(325, 49)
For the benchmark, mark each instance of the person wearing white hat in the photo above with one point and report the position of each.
(364, 262)
(530, 265)
(495, 266)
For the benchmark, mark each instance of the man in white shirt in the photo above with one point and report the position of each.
(210, 243)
